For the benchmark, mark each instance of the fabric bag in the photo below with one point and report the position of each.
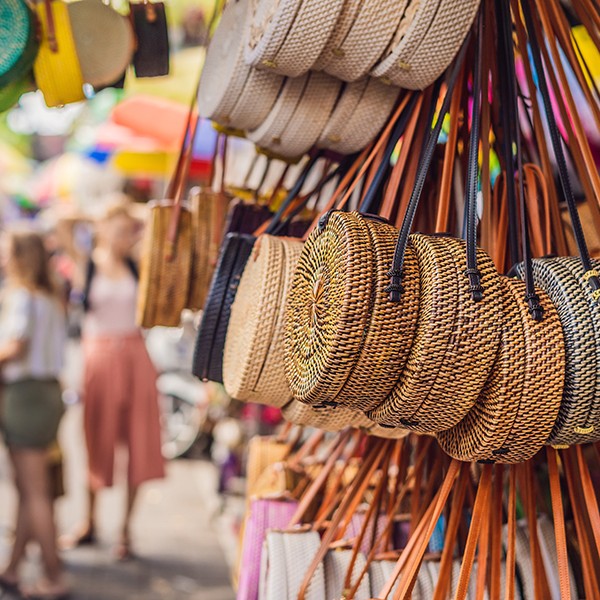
(151, 56)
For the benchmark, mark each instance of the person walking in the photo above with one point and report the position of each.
(32, 340)
(119, 391)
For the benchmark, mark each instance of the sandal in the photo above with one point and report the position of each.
(123, 552)
(87, 537)
(11, 587)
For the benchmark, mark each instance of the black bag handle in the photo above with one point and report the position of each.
(591, 275)
(395, 288)
(512, 135)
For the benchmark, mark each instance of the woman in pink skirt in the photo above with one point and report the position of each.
(119, 392)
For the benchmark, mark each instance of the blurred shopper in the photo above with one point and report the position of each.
(32, 339)
(119, 391)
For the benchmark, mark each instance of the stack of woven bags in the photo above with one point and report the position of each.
(363, 323)
(296, 74)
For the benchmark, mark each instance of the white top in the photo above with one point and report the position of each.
(112, 307)
(39, 320)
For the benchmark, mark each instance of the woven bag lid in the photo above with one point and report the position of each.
(373, 27)
(306, 38)
(18, 40)
(429, 45)
(350, 131)
(309, 118)
(271, 129)
(270, 21)
(103, 39)
(563, 280)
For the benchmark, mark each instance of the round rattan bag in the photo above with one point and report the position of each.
(517, 409)
(345, 343)
(227, 80)
(456, 341)
(253, 356)
(428, 39)
(563, 279)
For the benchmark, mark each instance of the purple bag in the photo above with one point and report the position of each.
(264, 514)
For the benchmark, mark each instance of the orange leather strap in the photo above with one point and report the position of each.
(496, 535)
(589, 495)
(512, 533)
(480, 510)
(559, 524)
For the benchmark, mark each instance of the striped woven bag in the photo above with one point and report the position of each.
(574, 287)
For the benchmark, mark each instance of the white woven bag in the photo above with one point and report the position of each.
(337, 564)
(271, 129)
(269, 23)
(306, 38)
(309, 118)
(226, 79)
(424, 48)
(363, 109)
(370, 33)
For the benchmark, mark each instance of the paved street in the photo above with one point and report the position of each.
(178, 551)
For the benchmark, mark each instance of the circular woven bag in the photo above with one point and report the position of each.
(345, 342)
(370, 33)
(269, 24)
(563, 280)
(425, 46)
(517, 409)
(269, 132)
(253, 356)
(455, 344)
(104, 41)
(306, 38)
(18, 40)
(309, 118)
(355, 123)
(227, 81)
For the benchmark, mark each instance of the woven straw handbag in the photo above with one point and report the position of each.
(365, 31)
(103, 39)
(56, 68)
(231, 93)
(287, 36)
(263, 451)
(299, 115)
(511, 419)
(361, 111)
(286, 557)
(460, 310)
(18, 41)
(264, 514)
(427, 40)
(234, 254)
(337, 295)
(573, 287)
(165, 267)
(336, 565)
(149, 21)
(253, 355)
